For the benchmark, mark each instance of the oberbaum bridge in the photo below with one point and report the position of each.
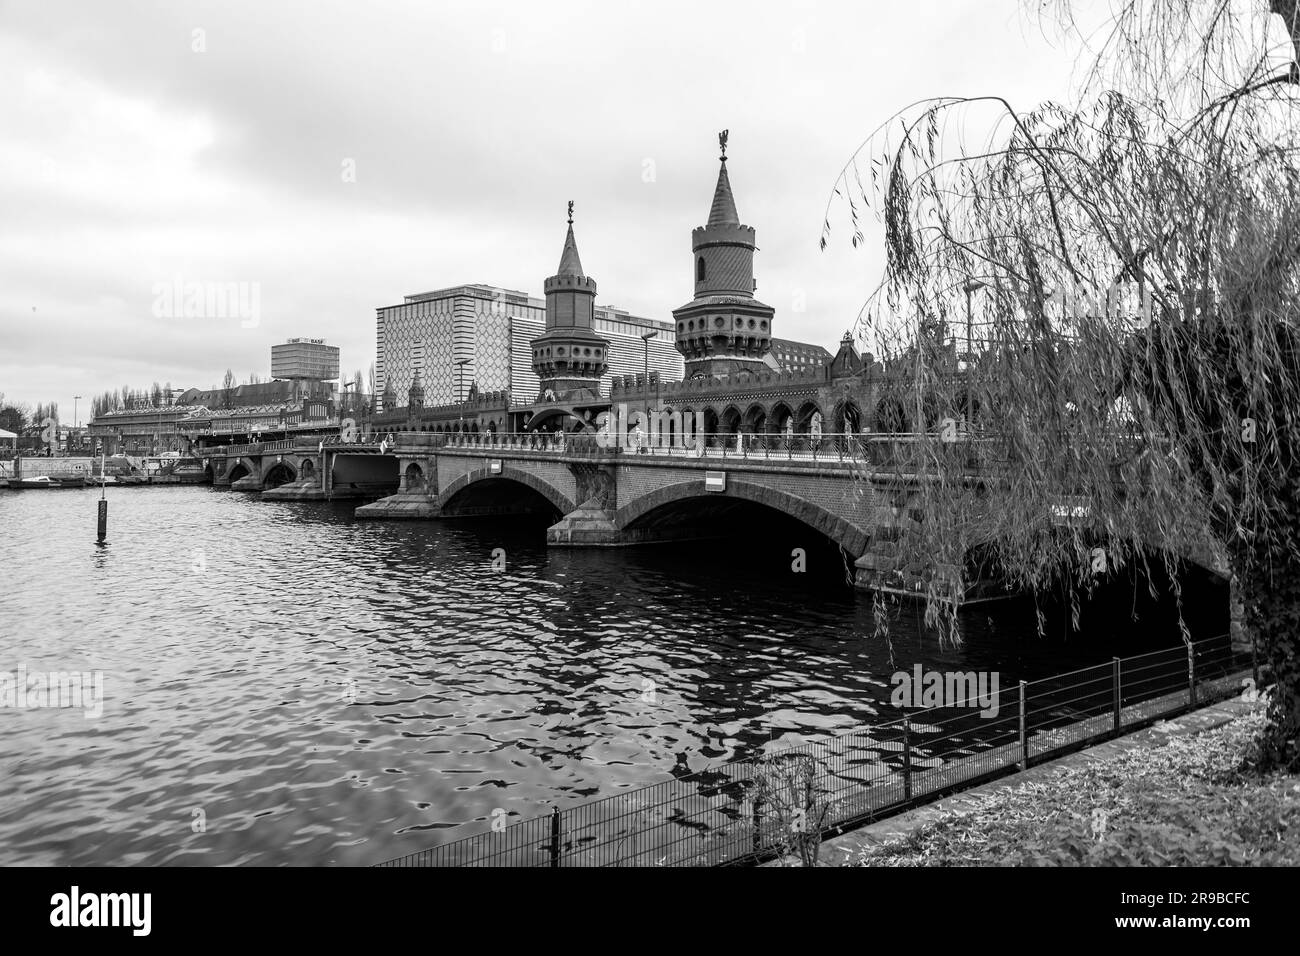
(614, 470)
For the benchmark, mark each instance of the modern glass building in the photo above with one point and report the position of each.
(479, 335)
(305, 358)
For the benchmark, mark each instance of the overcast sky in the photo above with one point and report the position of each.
(135, 150)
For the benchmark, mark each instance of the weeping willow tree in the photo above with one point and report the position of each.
(1126, 271)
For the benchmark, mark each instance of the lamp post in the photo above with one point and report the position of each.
(645, 343)
(346, 403)
(970, 286)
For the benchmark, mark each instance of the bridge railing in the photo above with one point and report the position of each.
(757, 808)
(824, 448)
(977, 452)
(827, 448)
(253, 448)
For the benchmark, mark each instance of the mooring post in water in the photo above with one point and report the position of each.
(1115, 690)
(103, 501)
(1024, 737)
(555, 836)
(907, 757)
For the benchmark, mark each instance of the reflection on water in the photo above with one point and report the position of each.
(285, 684)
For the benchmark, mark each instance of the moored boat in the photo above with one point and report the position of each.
(39, 481)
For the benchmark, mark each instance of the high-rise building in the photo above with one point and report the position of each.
(480, 336)
(305, 359)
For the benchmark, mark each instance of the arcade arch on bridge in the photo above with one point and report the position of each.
(557, 418)
(729, 421)
(809, 412)
(708, 421)
(846, 418)
(890, 416)
(782, 419)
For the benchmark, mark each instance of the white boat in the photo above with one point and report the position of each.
(37, 481)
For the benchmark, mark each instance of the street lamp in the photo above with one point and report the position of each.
(970, 287)
(75, 421)
(346, 403)
(645, 343)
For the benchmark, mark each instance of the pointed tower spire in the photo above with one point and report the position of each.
(570, 356)
(570, 264)
(724, 330)
(723, 211)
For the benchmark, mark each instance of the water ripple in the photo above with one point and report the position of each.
(284, 684)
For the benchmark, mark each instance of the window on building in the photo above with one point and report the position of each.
(699, 269)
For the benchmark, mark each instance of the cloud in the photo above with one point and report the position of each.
(137, 150)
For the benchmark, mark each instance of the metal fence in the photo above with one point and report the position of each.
(729, 814)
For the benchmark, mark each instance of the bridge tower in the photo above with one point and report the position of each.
(570, 357)
(724, 329)
(415, 394)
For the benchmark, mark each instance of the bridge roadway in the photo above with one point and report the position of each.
(840, 486)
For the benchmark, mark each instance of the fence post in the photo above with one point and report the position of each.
(1115, 689)
(758, 824)
(907, 758)
(1024, 738)
(555, 836)
(1191, 673)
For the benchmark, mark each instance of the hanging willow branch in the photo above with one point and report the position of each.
(1134, 387)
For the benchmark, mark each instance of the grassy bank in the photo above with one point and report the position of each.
(1195, 800)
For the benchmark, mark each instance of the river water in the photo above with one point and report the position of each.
(286, 685)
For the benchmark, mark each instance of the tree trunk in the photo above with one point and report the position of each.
(1271, 577)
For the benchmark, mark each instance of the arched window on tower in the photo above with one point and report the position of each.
(699, 269)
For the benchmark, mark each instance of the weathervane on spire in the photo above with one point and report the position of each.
(722, 143)
(570, 212)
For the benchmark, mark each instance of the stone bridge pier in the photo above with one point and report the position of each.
(417, 489)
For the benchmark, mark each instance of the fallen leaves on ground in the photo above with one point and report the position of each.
(1194, 800)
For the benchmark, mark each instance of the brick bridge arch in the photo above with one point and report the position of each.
(289, 464)
(847, 535)
(250, 468)
(559, 499)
